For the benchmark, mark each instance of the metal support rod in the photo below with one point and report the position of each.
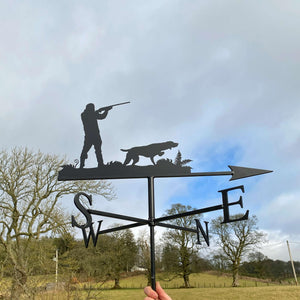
(151, 211)
(294, 272)
(116, 216)
(56, 268)
(157, 222)
(221, 173)
(120, 228)
(166, 225)
(176, 227)
(191, 213)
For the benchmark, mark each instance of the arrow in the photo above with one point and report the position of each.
(111, 172)
(242, 172)
(236, 173)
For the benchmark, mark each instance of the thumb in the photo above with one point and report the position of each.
(150, 293)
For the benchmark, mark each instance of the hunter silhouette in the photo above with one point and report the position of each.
(90, 118)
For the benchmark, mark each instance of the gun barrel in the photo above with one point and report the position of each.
(120, 103)
(110, 106)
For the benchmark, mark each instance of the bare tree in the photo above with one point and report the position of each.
(236, 239)
(29, 205)
(182, 244)
(118, 254)
(143, 254)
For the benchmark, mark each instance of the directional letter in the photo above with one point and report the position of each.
(83, 210)
(226, 205)
(205, 235)
(91, 233)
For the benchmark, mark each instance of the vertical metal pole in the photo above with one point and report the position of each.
(56, 268)
(151, 225)
(294, 272)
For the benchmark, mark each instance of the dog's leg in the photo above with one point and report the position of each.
(135, 159)
(152, 160)
(127, 159)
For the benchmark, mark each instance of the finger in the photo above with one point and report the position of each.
(150, 293)
(162, 294)
(159, 289)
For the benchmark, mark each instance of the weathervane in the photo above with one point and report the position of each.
(129, 169)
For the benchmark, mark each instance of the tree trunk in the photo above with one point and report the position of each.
(235, 276)
(117, 283)
(148, 275)
(18, 287)
(186, 279)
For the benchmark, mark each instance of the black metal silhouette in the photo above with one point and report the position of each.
(152, 221)
(116, 169)
(161, 168)
(90, 118)
(148, 151)
(92, 134)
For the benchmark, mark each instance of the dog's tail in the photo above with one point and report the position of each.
(124, 150)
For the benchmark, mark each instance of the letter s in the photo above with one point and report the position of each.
(83, 210)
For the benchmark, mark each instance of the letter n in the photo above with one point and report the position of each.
(91, 234)
(200, 229)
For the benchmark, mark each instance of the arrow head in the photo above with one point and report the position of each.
(242, 172)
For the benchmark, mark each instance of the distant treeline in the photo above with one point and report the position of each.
(269, 269)
(117, 255)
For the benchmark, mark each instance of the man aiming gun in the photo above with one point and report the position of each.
(89, 118)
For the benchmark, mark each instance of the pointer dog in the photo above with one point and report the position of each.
(147, 151)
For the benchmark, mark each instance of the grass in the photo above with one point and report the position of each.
(200, 280)
(249, 293)
(206, 286)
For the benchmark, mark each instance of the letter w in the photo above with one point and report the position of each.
(91, 233)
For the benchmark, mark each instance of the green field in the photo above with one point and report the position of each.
(261, 293)
(205, 286)
(286, 292)
(201, 280)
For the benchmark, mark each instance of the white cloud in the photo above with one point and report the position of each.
(283, 212)
(276, 245)
(209, 75)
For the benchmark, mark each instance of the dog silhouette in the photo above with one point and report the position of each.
(147, 151)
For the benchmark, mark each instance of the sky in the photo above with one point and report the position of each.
(220, 78)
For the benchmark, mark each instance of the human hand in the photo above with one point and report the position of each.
(160, 294)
